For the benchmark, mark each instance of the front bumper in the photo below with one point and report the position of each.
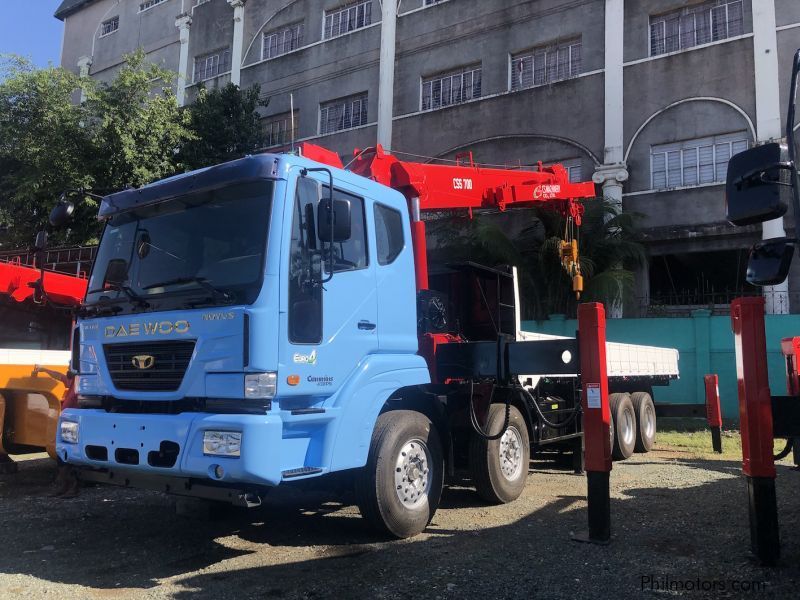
(274, 447)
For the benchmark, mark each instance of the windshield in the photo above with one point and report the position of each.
(203, 249)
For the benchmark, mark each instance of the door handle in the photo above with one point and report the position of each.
(366, 325)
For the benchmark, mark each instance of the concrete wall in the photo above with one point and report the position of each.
(153, 30)
(705, 344)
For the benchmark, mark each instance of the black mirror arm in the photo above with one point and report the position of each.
(759, 174)
(304, 173)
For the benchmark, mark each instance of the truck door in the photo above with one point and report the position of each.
(330, 327)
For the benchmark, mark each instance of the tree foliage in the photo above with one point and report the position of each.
(226, 125)
(126, 133)
(609, 252)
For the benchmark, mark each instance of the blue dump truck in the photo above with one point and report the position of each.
(274, 319)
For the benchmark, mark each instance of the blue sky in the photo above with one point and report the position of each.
(28, 27)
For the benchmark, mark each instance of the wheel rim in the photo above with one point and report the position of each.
(412, 474)
(510, 453)
(649, 419)
(628, 431)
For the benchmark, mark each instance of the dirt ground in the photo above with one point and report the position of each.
(679, 521)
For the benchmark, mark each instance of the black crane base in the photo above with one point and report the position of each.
(599, 509)
(763, 510)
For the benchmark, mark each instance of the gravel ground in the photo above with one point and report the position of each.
(676, 516)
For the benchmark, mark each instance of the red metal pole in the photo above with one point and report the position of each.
(596, 418)
(755, 414)
(420, 254)
(714, 411)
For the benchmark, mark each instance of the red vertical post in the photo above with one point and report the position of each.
(596, 418)
(755, 415)
(420, 254)
(714, 411)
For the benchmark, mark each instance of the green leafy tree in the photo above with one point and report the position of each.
(44, 146)
(226, 125)
(125, 133)
(137, 127)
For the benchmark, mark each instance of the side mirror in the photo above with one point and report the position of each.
(116, 273)
(341, 220)
(61, 213)
(40, 243)
(769, 261)
(759, 184)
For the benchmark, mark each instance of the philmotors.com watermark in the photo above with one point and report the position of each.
(669, 583)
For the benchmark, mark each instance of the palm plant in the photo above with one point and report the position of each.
(610, 253)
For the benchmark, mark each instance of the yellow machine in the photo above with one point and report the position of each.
(35, 329)
(29, 404)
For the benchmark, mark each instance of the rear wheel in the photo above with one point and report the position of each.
(499, 468)
(645, 411)
(398, 490)
(624, 419)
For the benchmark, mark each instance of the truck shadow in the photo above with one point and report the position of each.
(316, 545)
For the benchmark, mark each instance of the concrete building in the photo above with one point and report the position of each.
(649, 97)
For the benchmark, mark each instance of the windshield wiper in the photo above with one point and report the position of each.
(202, 281)
(99, 309)
(117, 287)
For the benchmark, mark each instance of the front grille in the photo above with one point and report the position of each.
(169, 363)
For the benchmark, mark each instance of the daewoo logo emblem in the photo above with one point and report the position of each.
(143, 361)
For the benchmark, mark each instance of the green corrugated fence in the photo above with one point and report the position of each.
(705, 343)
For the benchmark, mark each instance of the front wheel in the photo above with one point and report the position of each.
(499, 468)
(398, 490)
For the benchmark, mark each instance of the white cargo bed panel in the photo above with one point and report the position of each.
(627, 360)
(15, 356)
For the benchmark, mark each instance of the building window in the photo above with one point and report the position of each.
(574, 169)
(695, 25)
(109, 27)
(546, 64)
(149, 4)
(211, 65)
(342, 114)
(348, 18)
(454, 87)
(285, 40)
(278, 130)
(694, 162)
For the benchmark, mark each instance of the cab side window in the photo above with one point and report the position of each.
(351, 254)
(388, 233)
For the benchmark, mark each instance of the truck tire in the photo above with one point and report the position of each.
(645, 411)
(398, 490)
(499, 468)
(624, 419)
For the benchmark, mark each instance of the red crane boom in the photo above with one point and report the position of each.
(435, 187)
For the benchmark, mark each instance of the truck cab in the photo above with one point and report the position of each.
(224, 338)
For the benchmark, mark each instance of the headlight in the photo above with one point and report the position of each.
(222, 443)
(69, 432)
(260, 386)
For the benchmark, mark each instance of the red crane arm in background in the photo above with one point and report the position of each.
(433, 187)
(20, 283)
(468, 186)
